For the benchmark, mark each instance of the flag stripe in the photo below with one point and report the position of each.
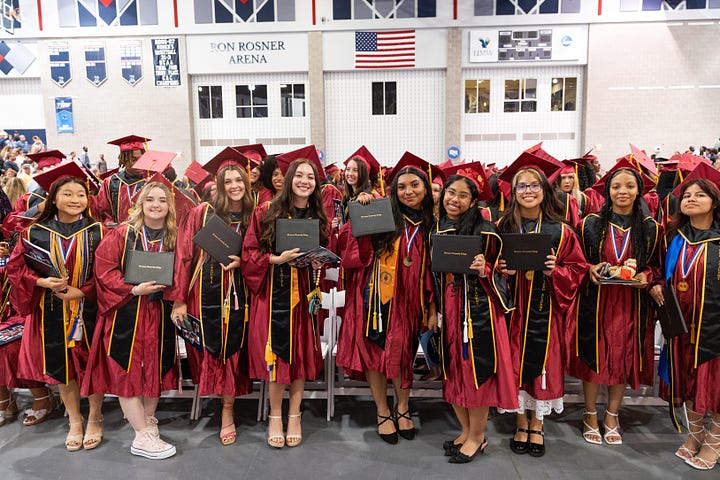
(391, 49)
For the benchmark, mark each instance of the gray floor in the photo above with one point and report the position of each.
(346, 447)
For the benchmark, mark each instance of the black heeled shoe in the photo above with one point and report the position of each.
(391, 438)
(520, 447)
(408, 433)
(460, 457)
(536, 449)
(451, 448)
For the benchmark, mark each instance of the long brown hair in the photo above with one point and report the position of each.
(363, 181)
(551, 208)
(221, 201)
(282, 206)
(137, 218)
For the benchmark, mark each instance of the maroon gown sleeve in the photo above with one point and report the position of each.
(101, 208)
(255, 263)
(265, 196)
(24, 295)
(112, 290)
(355, 252)
(570, 270)
(184, 252)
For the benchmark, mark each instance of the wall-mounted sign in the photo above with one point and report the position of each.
(64, 115)
(566, 43)
(166, 62)
(60, 72)
(131, 61)
(95, 66)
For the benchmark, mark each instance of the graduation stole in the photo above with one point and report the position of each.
(224, 305)
(379, 295)
(61, 320)
(115, 184)
(125, 319)
(587, 322)
(706, 334)
(538, 313)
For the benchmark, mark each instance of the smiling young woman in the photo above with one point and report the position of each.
(390, 274)
(542, 299)
(133, 354)
(477, 366)
(613, 338)
(284, 341)
(62, 308)
(691, 266)
(216, 294)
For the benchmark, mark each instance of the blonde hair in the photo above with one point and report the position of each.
(14, 188)
(137, 218)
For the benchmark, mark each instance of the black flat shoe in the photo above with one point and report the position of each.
(460, 457)
(408, 433)
(451, 448)
(391, 438)
(536, 449)
(520, 447)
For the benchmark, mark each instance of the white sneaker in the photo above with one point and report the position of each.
(149, 446)
(152, 425)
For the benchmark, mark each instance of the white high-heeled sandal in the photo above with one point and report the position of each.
(612, 431)
(590, 432)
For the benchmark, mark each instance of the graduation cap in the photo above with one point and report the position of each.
(687, 162)
(475, 172)
(702, 170)
(68, 168)
(364, 155)
(196, 173)
(109, 173)
(183, 204)
(154, 161)
(255, 152)
(310, 153)
(648, 182)
(538, 151)
(330, 169)
(130, 143)
(47, 159)
(428, 170)
(230, 156)
(643, 160)
(548, 166)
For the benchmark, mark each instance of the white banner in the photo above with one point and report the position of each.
(276, 52)
(555, 43)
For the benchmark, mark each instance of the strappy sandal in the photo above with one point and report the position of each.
(590, 434)
(536, 449)
(408, 433)
(700, 463)
(275, 441)
(10, 411)
(74, 441)
(229, 437)
(92, 440)
(391, 438)
(34, 417)
(684, 452)
(611, 432)
(293, 440)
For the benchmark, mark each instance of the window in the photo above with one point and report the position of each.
(375, 9)
(563, 96)
(477, 96)
(292, 100)
(210, 101)
(521, 95)
(384, 98)
(251, 101)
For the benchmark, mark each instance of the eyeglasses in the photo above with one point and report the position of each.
(533, 187)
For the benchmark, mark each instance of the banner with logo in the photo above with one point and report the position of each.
(60, 72)
(64, 115)
(521, 43)
(95, 67)
(131, 61)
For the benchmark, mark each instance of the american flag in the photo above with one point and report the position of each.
(394, 49)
